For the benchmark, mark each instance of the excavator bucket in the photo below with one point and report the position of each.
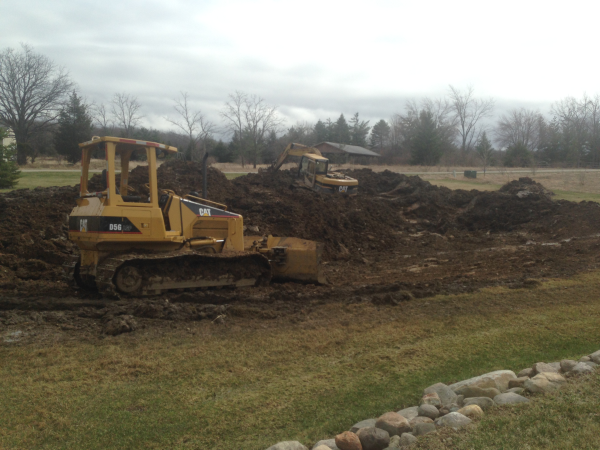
(291, 258)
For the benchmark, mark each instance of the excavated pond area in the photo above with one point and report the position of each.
(400, 238)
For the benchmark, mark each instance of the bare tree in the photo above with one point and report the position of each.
(573, 118)
(193, 124)
(103, 119)
(32, 91)
(469, 112)
(519, 126)
(125, 110)
(251, 120)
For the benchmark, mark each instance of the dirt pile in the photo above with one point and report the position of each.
(524, 187)
(176, 175)
(33, 234)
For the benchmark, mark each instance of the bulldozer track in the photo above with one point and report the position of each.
(151, 264)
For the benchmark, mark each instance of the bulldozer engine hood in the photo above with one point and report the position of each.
(207, 211)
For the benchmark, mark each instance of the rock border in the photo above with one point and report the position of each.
(453, 406)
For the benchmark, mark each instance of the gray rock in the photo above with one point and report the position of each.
(517, 382)
(431, 399)
(328, 442)
(578, 369)
(394, 443)
(460, 400)
(566, 365)
(446, 395)
(525, 373)
(455, 408)
(363, 424)
(595, 357)
(542, 367)
(544, 382)
(424, 428)
(515, 390)
(474, 391)
(409, 413)
(453, 420)
(483, 402)
(394, 423)
(429, 411)
(322, 447)
(500, 376)
(421, 419)
(508, 398)
(556, 365)
(593, 365)
(407, 440)
(288, 445)
(373, 438)
(585, 359)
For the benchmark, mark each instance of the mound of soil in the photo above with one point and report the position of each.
(524, 187)
(33, 234)
(179, 176)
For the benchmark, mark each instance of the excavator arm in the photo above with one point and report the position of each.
(293, 150)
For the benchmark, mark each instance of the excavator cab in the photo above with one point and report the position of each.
(144, 240)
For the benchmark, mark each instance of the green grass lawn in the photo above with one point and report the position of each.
(251, 383)
(559, 194)
(30, 180)
(232, 175)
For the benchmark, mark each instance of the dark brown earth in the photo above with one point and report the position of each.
(400, 238)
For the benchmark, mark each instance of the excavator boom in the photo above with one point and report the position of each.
(294, 150)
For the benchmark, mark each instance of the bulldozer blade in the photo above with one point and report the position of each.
(295, 259)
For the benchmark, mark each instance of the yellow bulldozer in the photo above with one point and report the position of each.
(313, 171)
(152, 242)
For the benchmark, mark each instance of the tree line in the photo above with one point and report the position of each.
(47, 115)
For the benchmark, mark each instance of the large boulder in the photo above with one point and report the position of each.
(501, 377)
(431, 399)
(544, 382)
(394, 423)
(483, 402)
(326, 442)
(288, 445)
(595, 357)
(420, 419)
(517, 382)
(373, 438)
(446, 395)
(542, 367)
(322, 447)
(525, 373)
(578, 369)
(407, 440)
(453, 420)
(424, 428)
(471, 411)
(363, 424)
(508, 398)
(409, 413)
(429, 411)
(566, 365)
(474, 391)
(348, 441)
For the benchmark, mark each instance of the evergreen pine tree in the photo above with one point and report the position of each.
(485, 151)
(426, 144)
(342, 131)
(74, 127)
(380, 134)
(359, 131)
(9, 170)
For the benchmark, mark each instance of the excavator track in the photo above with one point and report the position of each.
(144, 275)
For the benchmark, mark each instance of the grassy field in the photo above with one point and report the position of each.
(31, 180)
(249, 384)
(573, 196)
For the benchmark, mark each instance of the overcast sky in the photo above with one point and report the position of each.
(313, 59)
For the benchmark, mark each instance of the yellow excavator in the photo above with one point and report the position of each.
(155, 240)
(313, 171)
